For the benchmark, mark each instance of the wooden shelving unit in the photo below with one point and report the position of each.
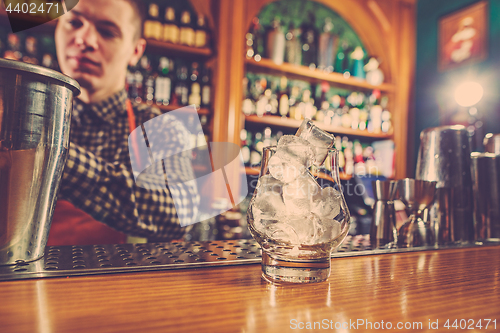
(312, 75)
(292, 123)
(166, 108)
(177, 49)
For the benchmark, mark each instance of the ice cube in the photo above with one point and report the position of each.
(328, 203)
(284, 169)
(293, 156)
(331, 229)
(308, 228)
(299, 194)
(282, 232)
(294, 147)
(319, 139)
(268, 197)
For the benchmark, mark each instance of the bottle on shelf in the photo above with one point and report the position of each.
(149, 82)
(49, 61)
(163, 84)
(340, 59)
(201, 34)
(293, 47)
(170, 27)
(309, 43)
(283, 100)
(294, 101)
(256, 150)
(276, 43)
(187, 33)
(246, 141)
(326, 47)
(182, 86)
(152, 26)
(195, 89)
(206, 88)
(255, 40)
(358, 67)
(13, 49)
(31, 50)
(310, 110)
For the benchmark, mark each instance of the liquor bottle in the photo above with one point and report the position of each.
(338, 146)
(245, 138)
(13, 50)
(294, 102)
(358, 67)
(201, 33)
(261, 98)
(257, 40)
(138, 91)
(206, 88)
(340, 58)
(194, 72)
(49, 61)
(149, 83)
(283, 100)
(267, 137)
(152, 26)
(129, 78)
(163, 85)
(337, 113)
(256, 150)
(195, 96)
(170, 27)
(309, 43)
(374, 75)
(181, 86)
(187, 34)
(326, 47)
(293, 48)
(386, 121)
(276, 43)
(31, 54)
(309, 108)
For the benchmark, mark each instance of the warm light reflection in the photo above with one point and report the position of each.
(468, 93)
(43, 315)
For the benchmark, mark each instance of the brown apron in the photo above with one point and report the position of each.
(72, 226)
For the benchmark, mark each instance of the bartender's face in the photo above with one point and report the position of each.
(96, 41)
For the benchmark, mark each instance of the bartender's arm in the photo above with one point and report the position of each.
(109, 193)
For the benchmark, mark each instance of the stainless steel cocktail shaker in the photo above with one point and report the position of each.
(35, 109)
(486, 177)
(444, 157)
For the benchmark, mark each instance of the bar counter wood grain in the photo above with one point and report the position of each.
(406, 287)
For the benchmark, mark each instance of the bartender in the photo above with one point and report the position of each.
(99, 200)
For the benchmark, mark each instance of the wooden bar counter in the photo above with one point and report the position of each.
(406, 288)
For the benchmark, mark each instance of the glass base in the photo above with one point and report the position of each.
(278, 271)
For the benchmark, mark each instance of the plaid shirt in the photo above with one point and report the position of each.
(98, 175)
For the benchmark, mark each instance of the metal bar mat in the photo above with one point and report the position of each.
(60, 261)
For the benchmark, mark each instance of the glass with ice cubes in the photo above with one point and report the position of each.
(298, 214)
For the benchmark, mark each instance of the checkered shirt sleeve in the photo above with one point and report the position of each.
(98, 175)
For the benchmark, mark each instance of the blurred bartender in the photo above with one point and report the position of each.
(99, 201)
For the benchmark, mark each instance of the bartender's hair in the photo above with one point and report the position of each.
(140, 10)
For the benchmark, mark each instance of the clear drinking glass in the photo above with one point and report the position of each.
(298, 222)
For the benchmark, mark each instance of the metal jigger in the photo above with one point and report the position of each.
(383, 230)
(416, 195)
